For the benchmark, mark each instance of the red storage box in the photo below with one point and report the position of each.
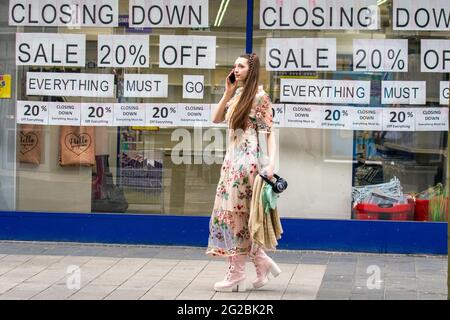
(368, 211)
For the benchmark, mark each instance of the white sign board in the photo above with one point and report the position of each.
(50, 49)
(124, 51)
(435, 55)
(194, 114)
(64, 114)
(366, 118)
(399, 119)
(70, 84)
(300, 54)
(32, 112)
(319, 14)
(278, 115)
(162, 114)
(146, 85)
(403, 92)
(303, 116)
(196, 52)
(169, 14)
(97, 114)
(325, 91)
(193, 87)
(432, 119)
(420, 15)
(64, 13)
(387, 55)
(129, 114)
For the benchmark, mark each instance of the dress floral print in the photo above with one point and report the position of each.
(228, 229)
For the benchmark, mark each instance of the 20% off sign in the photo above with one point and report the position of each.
(126, 51)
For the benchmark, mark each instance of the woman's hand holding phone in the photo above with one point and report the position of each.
(230, 87)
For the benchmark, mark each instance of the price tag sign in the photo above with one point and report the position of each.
(64, 114)
(366, 118)
(303, 116)
(194, 114)
(162, 114)
(432, 119)
(129, 114)
(278, 115)
(336, 118)
(32, 112)
(97, 114)
(399, 119)
(126, 51)
(380, 55)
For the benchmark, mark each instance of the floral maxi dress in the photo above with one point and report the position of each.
(228, 228)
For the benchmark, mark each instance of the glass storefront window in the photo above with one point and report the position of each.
(355, 174)
(336, 167)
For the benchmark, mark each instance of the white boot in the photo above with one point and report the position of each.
(264, 266)
(235, 277)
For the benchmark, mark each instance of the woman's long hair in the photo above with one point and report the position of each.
(240, 115)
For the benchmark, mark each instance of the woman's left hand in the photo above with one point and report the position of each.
(269, 171)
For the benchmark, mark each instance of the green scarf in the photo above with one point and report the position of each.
(269, 198)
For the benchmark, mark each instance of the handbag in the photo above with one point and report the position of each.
(30, 144)
(77, 146)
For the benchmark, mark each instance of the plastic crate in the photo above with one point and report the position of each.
(396, 212)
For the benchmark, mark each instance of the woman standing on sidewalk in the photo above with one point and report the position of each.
(247, 109)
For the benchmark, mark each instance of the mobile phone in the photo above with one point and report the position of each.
(232, 78)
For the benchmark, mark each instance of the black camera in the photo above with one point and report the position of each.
(278, 186)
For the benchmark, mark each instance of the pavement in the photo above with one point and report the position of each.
(60, 271)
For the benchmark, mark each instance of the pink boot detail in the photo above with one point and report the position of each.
(235, 277)
(264, 266)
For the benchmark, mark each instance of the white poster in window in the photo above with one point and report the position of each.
(444, 93)
(366, 118)
(336, 118)
(70, 84)
(162, 114)
(68, 13)
(419, 15)
(319, 14)
(435, 55)
(432, 119)
(169, 14)
(193, 87)
(123, 51)
(32, 112)
(97, 114)
(50, 49)
(195, 52)
(300, 54)
(64, 114)
(403, 92)
(146, 85)
(399, 119)
(129, 114)
(303, 116)
(387, 55)
(278, 115)
(325, 91)
(194, 114)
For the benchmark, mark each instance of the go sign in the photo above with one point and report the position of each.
(193, 87)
